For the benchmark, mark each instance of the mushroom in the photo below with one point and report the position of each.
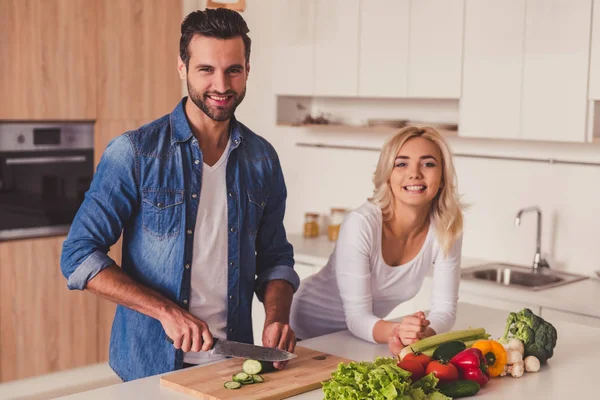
(513, 357)
(532, 364)
(517, 370)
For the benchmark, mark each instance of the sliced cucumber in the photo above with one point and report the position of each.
(231, 385)
(252, 367)
(258, 379)
(241, 377)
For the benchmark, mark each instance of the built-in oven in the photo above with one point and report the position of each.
(45, 170)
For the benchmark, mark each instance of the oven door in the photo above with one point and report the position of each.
(40, 191)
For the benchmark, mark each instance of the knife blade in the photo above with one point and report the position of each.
(230, 348)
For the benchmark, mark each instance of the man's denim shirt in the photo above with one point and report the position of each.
(147, 185)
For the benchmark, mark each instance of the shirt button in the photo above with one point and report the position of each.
(187, 266)
(230, 194)
(230, 329)
(262, 204)
(189, 231)
(159, 205)
(184, 301)
(232, 229)
(231, 263)
(236, 141)
(194, 195)
(230, 297)
(196, 162)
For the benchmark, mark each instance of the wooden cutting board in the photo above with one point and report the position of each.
(302, 374)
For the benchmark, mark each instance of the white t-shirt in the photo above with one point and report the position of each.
(357, 288)
(208, 299)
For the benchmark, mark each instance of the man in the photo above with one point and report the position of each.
(200, 200)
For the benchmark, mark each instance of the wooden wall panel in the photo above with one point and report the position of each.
(138, 45)
(48, 62)
(44, 326)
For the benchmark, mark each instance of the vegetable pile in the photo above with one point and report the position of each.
(379, 380)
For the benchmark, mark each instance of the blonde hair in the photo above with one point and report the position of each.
(446, 210)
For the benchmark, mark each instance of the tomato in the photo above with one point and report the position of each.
(414, 367)
(444, 372)
(424, 359)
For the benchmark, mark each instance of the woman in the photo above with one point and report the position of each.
(387, 246)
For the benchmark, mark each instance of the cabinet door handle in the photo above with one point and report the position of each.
(44, 160)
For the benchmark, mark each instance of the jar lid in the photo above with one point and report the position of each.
(309, 214)
(338, 210)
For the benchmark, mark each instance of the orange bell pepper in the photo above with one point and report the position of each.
(494, 353)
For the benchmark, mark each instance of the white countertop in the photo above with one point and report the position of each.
(580, 297)
(577, 351)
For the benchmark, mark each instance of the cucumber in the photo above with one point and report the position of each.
(258, 379)
(253, 367)
(446, 351)
(241, 377)
(461, 388)
(231, 385)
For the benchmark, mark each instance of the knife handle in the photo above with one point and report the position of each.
(215, 340)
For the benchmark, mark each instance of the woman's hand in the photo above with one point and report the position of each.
(409, 330)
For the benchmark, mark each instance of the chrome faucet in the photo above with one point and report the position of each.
(538, 261)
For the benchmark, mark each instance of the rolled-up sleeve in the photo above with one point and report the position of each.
(274, 254)
(110, 201)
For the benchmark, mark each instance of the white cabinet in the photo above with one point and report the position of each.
(435, 48)
(490, 106)
(525, 69)
(555, 71)
(293, 35)
(551, 315)
(336, 48)
(384, 37)
(410, 48)
(594, 92)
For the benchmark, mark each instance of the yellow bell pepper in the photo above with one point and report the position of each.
(494, 353)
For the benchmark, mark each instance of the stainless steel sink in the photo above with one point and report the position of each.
(519, 276)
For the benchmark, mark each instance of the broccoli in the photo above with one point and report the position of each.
(538, 336)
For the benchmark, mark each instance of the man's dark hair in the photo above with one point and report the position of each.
(219, 23)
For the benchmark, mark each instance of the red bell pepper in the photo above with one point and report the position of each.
(472, 365)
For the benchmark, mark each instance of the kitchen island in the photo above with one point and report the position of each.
(569, 374)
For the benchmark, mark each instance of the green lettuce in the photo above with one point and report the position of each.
(379, 380)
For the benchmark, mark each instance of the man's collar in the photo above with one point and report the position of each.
(181, 131)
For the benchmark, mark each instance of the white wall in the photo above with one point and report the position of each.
(318, 179)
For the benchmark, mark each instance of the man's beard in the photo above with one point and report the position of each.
(215, 112)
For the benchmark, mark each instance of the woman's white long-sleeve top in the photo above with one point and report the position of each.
(357, 288)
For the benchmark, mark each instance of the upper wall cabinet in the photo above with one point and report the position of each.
(411, 48)
(435, 48)
(490, 105)
(336, 48)
(388, 48)
(138, 41)
(294, 34)
(48, 60)
(555, 71)
(384, 35)
(525, 69)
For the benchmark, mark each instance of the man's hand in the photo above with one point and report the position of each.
(281, 336)
(187, 332)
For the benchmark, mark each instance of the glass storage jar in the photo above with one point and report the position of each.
(336, 217)
(311, 225)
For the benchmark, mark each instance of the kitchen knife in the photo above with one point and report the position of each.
(229, 348)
